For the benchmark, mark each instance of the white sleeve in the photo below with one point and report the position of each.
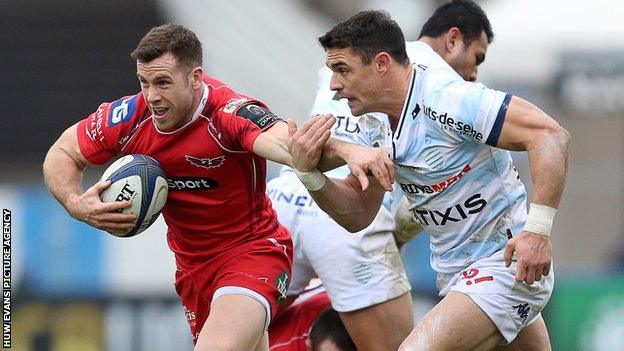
(468, 110)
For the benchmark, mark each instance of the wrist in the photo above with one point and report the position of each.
(540, 219)
(313, 180)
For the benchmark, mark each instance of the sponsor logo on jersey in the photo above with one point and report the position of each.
(233, 104)
(213, 130)
(299, 200)
(207, 163)
(258, 115)
(304, 203)
(434, 188)
(191, 184)
(121, 110)
(415, 111)
(455, 213)
(346, 125)
(93, 128)
(449, 123)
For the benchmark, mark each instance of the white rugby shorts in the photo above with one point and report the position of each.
(510, 305)
(358, 270)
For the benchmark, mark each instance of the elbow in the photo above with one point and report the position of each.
(560, 135)
(357, 223)
(352, 222)
(354, 227)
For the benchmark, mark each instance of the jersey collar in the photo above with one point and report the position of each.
(202, 104)
(397, 133)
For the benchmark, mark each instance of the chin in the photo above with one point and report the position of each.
(357, 111)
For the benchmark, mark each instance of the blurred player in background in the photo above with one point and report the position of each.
(233, 258)
(362, 272)
(447, 140)
(309, 324)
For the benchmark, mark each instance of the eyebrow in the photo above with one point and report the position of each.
(158, 77)
(337, 65)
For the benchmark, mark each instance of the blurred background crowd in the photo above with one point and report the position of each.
(75, 288)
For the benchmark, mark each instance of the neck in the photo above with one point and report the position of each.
(197, 97)
(397, 97)
(437, 44)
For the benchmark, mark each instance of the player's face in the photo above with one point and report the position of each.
(168, 91)
(326, 345)
(353, 79)
(465, 59)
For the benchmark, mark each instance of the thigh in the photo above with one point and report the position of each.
(510, 305)
(260, 271)
(235, 322)
(380, 327)
(455, 324)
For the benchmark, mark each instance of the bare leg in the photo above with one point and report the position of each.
(380, 327)
(263, 344)
(533, 337)
(236, 322)
(456, 323)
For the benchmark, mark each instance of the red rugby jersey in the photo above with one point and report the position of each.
(290, 330)
(216, 183)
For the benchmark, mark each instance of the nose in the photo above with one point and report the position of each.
(473, 76)
(334, 83)
(151, 95)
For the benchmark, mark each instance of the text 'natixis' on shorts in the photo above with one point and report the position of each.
(6, 279)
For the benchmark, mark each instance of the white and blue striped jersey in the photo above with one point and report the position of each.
(465, 192)
(346, 127)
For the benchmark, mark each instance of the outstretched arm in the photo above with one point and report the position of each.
(347, 201)
(322, 152)
(63, 168)
(528, 128)
(327, 153)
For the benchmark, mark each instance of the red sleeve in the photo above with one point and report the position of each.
(102, 135)
(242, 117)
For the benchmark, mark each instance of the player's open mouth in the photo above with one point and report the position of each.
(159, 111)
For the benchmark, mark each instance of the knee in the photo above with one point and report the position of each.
(419, 340)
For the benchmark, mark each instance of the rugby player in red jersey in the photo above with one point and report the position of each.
(310, 324)
(233, 258)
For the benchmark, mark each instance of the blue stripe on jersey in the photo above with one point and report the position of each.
(492, 139)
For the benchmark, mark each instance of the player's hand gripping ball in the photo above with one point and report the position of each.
(141, 180)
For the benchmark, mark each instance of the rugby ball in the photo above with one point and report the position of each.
(140, 179)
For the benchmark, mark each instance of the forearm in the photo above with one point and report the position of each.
(273, 144)
(548, 159)
(347, 204)
(335, 153)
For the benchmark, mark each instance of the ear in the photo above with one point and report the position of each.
(452, 39)
(382, 62)
(196, 77)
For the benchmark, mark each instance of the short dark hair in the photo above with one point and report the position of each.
(173, 38)
(329, 326)
(368, 33)
(467, 16)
